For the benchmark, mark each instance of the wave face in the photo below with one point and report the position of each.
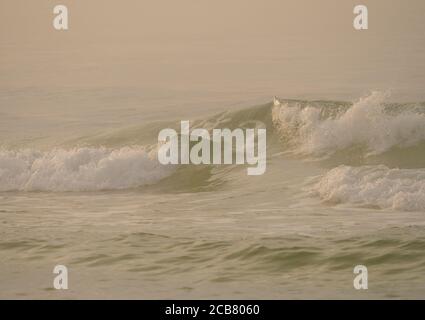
(79, 169)
(369, 126)
(374, 186)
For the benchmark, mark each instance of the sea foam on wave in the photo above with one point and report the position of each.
(79, 169)
(374, 186)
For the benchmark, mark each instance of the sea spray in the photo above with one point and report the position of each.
(369, 123)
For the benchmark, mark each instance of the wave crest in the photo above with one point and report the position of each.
(79, 169)
(320, 129)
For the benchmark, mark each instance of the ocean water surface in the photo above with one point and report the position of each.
(345, 185)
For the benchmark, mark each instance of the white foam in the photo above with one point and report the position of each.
(378, 186)
(79, 169)
(365, 124)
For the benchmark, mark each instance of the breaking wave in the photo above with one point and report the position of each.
(79, 169)
(387, 141)
(369, 126)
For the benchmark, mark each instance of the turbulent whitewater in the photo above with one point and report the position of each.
(370, 125)
(79, 169)
(379, 186)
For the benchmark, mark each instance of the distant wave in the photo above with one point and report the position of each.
(374, 186)
(79, 169)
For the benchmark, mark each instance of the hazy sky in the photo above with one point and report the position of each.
(284, 47)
